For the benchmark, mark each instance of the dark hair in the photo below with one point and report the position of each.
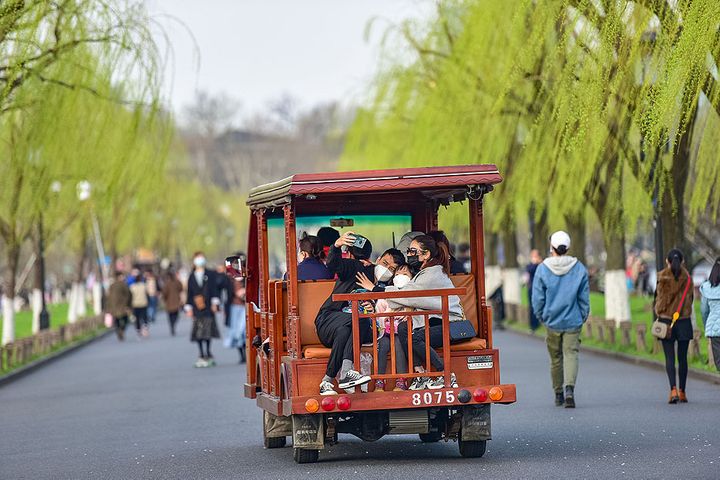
(561, 249)
(675, 258)
(715, 273)
(397, 256)
(327, 236)
(362, 253)
(439, 254)
(311, 245)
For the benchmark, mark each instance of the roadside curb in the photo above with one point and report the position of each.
(645, 362)
(40, 362)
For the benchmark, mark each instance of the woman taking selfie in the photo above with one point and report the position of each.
(673, 306)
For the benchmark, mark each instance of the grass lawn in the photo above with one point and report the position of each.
(23, 319)
(640, 311)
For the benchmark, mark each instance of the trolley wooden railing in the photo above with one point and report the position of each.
(356, 299)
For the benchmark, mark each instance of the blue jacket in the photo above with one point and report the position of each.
(710, 309)
(561, 293)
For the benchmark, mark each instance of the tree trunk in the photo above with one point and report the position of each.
(539, 231)
(672, 206)
(8, 297)
(36, 299)
(493, 273)
(576, 230)
(512, 291)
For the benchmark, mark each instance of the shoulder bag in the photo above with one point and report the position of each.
(662, 330)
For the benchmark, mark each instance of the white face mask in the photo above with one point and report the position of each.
(199, 262)
(401, 280)
(382, 273)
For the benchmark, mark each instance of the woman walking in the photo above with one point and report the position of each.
(202, 305)
(171, 295)
(673, 306)
(140, 305)
(710, 310)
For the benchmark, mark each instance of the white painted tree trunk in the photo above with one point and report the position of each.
(512, 286)
(617, 298)
(8, 313)
(36, 301)
(493, 279)
(97, 298)
(81, 301)
(56, 296)
(72, 304)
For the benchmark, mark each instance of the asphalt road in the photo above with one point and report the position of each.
(139, 410)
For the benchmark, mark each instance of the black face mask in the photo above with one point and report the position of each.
(413, 261)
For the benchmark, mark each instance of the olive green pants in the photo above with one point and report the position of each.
(563, 348)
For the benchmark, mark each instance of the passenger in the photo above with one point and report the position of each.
(327, 237)
(455, 265)
(432, 260)
(334, 327)
(311, 266)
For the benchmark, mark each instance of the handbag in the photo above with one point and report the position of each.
(663, 330)
(461, 330)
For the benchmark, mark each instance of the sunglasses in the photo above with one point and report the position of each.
(414, 251)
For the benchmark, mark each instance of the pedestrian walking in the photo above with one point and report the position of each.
(710, 310)
(673, 306)
(202, 305)
(531, 268)
(153, 291)
(119, 304)
(561, 302)
(236, 320)
(138, 288)
(172, 298)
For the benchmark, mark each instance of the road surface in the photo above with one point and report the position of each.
(139, 410)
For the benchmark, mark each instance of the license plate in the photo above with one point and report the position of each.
(433, 398)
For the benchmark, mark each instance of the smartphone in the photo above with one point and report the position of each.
(359, 241)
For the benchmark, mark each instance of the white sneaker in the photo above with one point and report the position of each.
(200, 363)
(453, 381)
(326, 388)
(435, 383)
(353, 378)
(419, 383)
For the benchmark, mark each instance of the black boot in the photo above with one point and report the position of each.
(569, 397)
(559, 399)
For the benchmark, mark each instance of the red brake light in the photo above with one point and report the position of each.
(327, 404)
(480, 395)
(343, 403)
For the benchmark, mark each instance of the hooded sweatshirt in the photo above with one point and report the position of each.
(710, 309)
(561, 293)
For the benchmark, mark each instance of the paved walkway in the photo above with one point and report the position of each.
(139, 410)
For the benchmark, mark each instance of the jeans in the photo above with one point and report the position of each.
(418, 343)
(334, 330)
(140, 314)
(384, 350)
(563, 348)
(172, 318)
(152, 308)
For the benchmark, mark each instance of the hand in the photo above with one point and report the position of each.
(368, 306)
(347, 239)
(364, 281)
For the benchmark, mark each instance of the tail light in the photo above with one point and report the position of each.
(343, 403)
(464, 396)
(327, 403)
(312, 405)
(480, 395)
(496, 394)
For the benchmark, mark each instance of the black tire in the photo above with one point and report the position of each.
(472, 448)
(430, 437)
(302, 455)
(274, 442)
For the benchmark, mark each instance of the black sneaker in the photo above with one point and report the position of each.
(559, 399)
(353, 379)
(569, 397)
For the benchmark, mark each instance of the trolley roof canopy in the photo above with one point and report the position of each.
(375, 190)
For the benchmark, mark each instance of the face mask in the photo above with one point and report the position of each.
(413, 261)
(401, 280)
(382, 273)
(199, 262)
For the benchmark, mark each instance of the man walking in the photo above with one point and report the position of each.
(535, 261)
(119, 300)
(561, 301)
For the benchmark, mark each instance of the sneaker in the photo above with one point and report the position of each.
(326, 388)
(559, 399)
(419, 383)
(353, 379)
(400, 385)
(211, 362)
(200, 363)
(569, 397)
(379, 385)
(435, 383)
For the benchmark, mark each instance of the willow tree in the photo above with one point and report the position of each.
(80, 49)
(558, 94)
